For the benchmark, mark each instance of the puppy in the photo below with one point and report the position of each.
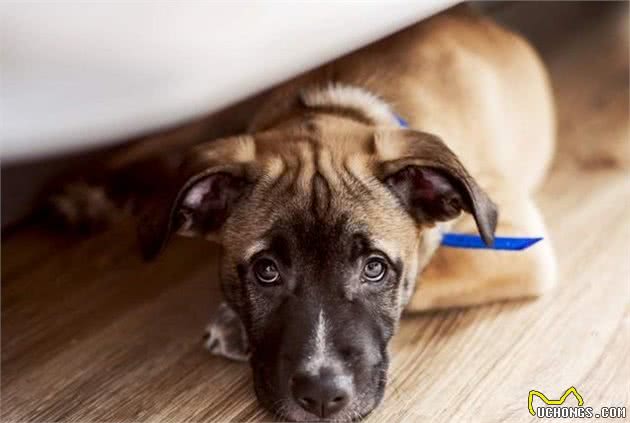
(330, 211)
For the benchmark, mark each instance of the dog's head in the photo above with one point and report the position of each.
(325, 225)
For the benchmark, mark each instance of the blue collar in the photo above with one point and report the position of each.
(455, 240)
(402, 122)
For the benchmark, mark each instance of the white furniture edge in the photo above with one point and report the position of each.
(81, 75)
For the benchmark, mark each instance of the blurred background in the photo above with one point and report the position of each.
(80, 77)
(90, 332)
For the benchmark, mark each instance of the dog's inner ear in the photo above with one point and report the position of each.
(434, 186)
(207, 203)
(428, 194)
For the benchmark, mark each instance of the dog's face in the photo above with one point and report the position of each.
(325, 225)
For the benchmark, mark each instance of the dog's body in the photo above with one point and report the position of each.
(329, 212)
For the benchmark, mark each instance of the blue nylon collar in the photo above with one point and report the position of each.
(455, 240)
(402, 122)
(475, 241)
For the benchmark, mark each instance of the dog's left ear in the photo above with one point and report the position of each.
(431, 183)
(199, 199)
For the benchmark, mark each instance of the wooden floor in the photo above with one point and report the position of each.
(89, 332)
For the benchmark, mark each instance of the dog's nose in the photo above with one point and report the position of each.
(323, 394)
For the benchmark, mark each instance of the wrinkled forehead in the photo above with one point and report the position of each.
(309, 240)
(309, 197)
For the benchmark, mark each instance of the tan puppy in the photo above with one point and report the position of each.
(330, 213)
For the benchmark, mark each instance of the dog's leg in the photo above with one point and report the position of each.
(104, 193)
(82, 207)
(464, 277)
(225, 335)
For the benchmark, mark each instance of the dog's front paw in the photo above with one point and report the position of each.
(225, 335)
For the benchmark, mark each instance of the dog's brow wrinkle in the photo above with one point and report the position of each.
(246, 150)
(351, 166)
(307, 170)
(275, 168)
(388, 247)
(320, 196)
(326, 167)
(254, 249)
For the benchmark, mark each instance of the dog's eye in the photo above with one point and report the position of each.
(374, 270)
(266, 272)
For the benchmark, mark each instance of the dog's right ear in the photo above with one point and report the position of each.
(198, 201)
(430, 181)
